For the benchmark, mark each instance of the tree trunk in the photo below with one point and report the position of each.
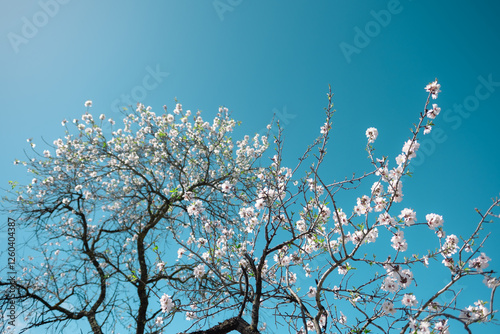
(96, 329)
(233, 324)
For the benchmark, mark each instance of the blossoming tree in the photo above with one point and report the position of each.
(293, 227)
(99, 208)
(170, 217)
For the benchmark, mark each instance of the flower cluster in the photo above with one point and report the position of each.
(480, 263)
(434, 89)
(166, 303)
(476, 312)
(432, 113)
(396, 279)
(434, 220)
(371, 134)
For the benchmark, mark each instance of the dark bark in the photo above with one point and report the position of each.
(233, 324)
(141, 287)
(96, 329)
(142, 291)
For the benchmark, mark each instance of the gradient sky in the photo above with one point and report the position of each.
(261, 58)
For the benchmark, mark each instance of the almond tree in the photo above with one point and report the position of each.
(296, 258)
(98, 207)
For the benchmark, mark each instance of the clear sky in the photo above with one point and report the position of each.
(261, 58)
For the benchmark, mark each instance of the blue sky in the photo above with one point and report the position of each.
(261, 58)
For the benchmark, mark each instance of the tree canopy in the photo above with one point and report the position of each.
(168, 217)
